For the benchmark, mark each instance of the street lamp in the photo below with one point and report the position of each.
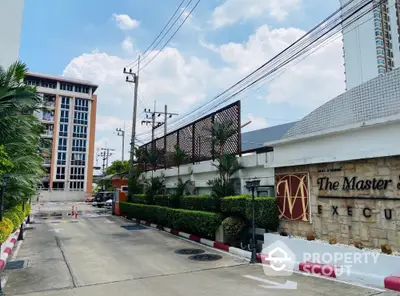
(252, 185)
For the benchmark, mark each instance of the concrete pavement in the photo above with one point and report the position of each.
(96, 256)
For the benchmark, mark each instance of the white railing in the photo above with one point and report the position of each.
(47, 134)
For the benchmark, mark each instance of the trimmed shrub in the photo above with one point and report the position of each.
(14, 217)
(234, 205)
(266, 211)
(139, 198)
(200, 223)
(161, 200)
(234, 228)
(198, 203)
(6, 228)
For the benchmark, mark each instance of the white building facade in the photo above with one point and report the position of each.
(10, 30)
(370, 41)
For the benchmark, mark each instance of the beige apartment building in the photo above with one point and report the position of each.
(70, 121)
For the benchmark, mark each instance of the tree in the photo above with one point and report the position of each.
(179, 158)
(227, 164)
(20, 134)
(222, 132)
(118, 167)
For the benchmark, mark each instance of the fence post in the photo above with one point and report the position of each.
(193, 143)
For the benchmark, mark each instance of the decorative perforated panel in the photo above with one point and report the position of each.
(195, 139)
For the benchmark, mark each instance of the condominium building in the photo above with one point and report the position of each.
(371, 40)
(10, 31)
(69, 122)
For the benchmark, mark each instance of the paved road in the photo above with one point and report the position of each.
(95, 255)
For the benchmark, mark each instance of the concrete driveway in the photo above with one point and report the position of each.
(105, 255)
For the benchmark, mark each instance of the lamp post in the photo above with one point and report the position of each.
(252, 185)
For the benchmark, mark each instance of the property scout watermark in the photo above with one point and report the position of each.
(279, 260)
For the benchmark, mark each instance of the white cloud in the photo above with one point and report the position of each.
(184, 81)
(127, 45)
(257, 122)
(309, 83)
(233, 11)
(125, 22)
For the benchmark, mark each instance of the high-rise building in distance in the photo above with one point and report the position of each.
(10, 30)
(371, 42)
(69, 122)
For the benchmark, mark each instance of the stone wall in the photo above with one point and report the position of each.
(352, 219)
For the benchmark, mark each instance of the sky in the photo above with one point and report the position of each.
(221, 42)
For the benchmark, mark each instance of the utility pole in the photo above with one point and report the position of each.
(121, 133)
(106, 154)
(155, 124)
(135, 80)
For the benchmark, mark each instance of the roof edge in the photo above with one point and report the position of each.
(336, 130)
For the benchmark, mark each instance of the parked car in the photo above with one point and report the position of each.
(109, 202)
(102, 197)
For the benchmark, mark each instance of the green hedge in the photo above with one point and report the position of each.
(199, 223)
(198, 203)
(161, 200)
(266, 212)
(139, 198)
(234, 205)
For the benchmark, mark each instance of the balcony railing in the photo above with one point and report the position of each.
(47, 134)
(46, 177)
(49, 104)
(48, 118)
(47, 162)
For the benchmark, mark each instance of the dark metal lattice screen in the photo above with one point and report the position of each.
(196, 139)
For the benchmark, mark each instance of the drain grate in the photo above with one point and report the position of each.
(205, 257)
(17, 264)
(133, 227)
(189, 251)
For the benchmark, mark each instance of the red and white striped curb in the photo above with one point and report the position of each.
(324, 270)
(7, 247)
(207, 242)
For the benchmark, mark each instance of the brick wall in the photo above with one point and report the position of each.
(372, 231)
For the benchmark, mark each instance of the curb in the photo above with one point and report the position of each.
(195, 238)
(323, 270)
(7, 247)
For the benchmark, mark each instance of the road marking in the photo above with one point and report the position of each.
(108, 221)
(288, 285)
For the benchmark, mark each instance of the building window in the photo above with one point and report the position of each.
(81, 118)
(66, 86)
(78, 158)
(380, 51)
(378, 33)
(80, 131)
(76, 186)
(64, 116)
(63, 130)
(378, 24)
(81, 105)
(381, 61)
(79, 145)
(77, 173)
(379, 42)
(65, 102)
(61, 158)
(60, 173)
(62, 144)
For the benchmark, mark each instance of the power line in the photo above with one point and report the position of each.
(326, 28)
(176, 31)
(159, 34)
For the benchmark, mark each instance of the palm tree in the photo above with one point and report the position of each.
(222, 132)
(20, 134)
(179, 158)
(228, 166)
